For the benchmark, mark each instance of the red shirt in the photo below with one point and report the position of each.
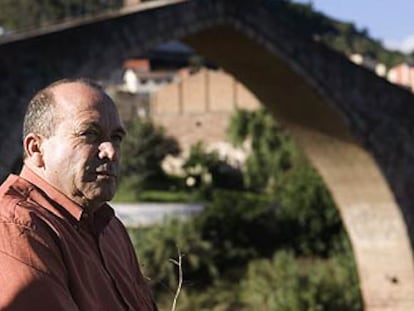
(56, 256)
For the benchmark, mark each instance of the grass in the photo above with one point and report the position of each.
(129, 196)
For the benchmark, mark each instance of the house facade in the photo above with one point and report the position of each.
(192, 105)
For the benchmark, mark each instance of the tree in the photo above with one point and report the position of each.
(272, 153)
(144, 149)
(309, 222)
(26, 14)
(209, 171)
(289, 283)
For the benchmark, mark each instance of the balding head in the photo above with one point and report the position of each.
(72, 140)
(41, 117)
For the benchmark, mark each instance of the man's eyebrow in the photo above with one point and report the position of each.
(120, 130)
(90, 124)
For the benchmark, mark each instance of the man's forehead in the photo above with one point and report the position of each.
(73, 91)
(74, 96)
(85, 102)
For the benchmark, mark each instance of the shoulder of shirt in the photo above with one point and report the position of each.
(15, 204)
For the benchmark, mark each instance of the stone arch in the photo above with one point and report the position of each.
(355, 127)
(368, 208)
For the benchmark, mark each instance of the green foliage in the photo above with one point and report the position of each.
(173, 190)
(167, 196)
(303, 20)
(23, 14)
(240, 226)
(144, 148)
(272, 152)
(222, 296)
(129, 194)
(290, 284)
(231, 242)
(200, 157)
(309, 220)
(217, 242)
(156, 245)
(127, 190)
(261, 288)
(300, 18)
(239, 128)
(210, 172)
(200, 163)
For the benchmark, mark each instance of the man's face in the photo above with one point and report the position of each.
(81, 159)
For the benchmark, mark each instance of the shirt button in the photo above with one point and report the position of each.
(85, 215)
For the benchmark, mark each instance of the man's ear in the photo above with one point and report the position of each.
(32, 145)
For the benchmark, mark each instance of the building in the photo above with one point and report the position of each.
(370, 63)
(191, 104)
(402, 74)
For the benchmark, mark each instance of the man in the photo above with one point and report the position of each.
(61, 247)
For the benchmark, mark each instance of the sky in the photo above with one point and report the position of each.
(390, 21)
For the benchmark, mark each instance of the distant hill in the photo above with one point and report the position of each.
(341, 36)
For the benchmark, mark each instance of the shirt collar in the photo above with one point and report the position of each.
(100, 217)
(74, 209)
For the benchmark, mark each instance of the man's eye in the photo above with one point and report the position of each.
(90, 134)
(117, 139)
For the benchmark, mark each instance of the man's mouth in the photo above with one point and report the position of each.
(105, 174)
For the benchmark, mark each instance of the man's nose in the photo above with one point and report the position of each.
(108, 151)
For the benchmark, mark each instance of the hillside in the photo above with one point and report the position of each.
(339, 35)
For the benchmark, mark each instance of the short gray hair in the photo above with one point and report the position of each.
(40, 117)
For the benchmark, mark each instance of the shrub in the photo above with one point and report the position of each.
(210, 171)
(272, 151)
(309, 222)
(290, 284)
(240, 226)
(144, 148)
(157, 245)
(239, 232)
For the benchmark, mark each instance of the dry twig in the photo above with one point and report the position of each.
(180, 278)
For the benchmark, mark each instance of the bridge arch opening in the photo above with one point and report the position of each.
(366, 204)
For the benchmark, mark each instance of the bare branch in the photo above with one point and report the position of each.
(180, 278)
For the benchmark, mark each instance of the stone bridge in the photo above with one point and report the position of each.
(355, 127)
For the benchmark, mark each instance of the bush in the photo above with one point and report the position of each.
(216, 243)
(240, 226)
(211, 172)
(309, 222)
(157, 245)
(166, 196)
(239, 232)
(290, 284)
(222, 296)
(272, 151)
(144, 149)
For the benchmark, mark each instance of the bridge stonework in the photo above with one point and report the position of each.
(354, 126)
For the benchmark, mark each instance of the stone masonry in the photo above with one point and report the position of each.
(199, 107)
(355, 127)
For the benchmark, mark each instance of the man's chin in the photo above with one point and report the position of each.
(101, 195)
